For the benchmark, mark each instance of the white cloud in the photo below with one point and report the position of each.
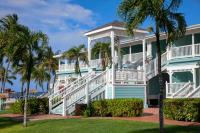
(62, 20)
(72, 38)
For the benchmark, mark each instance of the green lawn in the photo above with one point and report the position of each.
(88, 126)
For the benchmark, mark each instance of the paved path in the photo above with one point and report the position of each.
(150, 115)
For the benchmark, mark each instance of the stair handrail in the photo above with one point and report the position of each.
(89, 80)
(185, 86)
(57, 97)
(81, 87)
(193, 92)
(69, 85)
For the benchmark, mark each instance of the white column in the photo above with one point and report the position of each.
(144, 59)
(64, 106)
(193, 46)
(130, 53)
(149, 50)
(113, 61)
(194, 76)
(144, 71)
(170, 80)
(89, 50)
(87, 94)
(170, 76)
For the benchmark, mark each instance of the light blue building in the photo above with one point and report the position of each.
(137, 76)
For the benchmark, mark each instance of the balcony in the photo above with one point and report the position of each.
(184, 51)
(70, 67)
(129, 76)
(132, 57)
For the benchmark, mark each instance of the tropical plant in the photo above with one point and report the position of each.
(50, 64)
(76, 54)
(166, 19)
(8, 38)
(9, 77)
(21, 70)
(31, 44)
(102, 49)
(40, 75)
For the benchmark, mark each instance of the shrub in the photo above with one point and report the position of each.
(182, 109)
(35, 106)
(17, 107)
(79, 109)
(117, 107)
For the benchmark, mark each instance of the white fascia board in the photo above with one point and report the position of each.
(113, 28)
(193, 27)
(152, 36)
(99, 30)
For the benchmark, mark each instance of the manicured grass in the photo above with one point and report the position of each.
(88, 126)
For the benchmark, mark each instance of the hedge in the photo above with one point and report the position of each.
(182, 109)
(116, 108)
(35, 106)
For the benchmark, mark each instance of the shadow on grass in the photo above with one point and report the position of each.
(7, 122)
(171, 129)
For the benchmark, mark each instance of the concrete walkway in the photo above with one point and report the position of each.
(150, 115)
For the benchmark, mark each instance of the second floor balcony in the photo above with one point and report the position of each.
(71, 67)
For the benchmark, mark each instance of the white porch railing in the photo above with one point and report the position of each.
(173, 88)
(195, 93)
(91, 86)
(197, 49)
(184, 91)
(56, 97)
(65, 67)
(129, 77)
(97, 63)
(182, 51)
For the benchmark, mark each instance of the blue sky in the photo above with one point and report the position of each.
(65, 21)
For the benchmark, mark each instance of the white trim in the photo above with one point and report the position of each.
(112, 28)
(112, 37)
(152, 36)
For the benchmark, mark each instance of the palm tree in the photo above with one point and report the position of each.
(9, 77)
(8, 38)
(105, 53)
(21, 70)
(50, 64)
(40, 75)
(166, 19)
(76, 54)
(31, 44)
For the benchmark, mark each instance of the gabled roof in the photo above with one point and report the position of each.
(113, 24)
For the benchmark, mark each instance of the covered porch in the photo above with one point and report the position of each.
(183, 80)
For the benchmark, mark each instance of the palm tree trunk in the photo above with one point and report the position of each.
(26, 104)
(78, 67)
(161, 116)
(29, 71)
(22, 89)
(5, 76)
